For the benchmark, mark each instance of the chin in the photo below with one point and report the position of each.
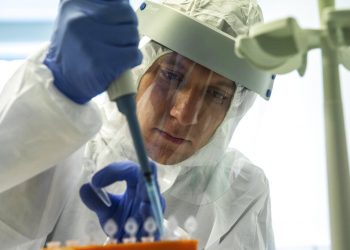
(158, 155)
(167, 159)
(165, 154)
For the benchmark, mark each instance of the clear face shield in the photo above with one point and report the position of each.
(184, 95)
(180, 104)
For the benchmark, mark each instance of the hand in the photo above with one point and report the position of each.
(94, 42)
(133, 203)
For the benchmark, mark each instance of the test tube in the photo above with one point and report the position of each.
(53, 245)
(102, 194)
(150, 227)
(172, 227)
(72, 243)
(110, 228)
(191, 225)
(131, 228)
(90, 165)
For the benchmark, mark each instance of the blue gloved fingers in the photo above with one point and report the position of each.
(118, 171)
(111, 12)
(111, 35)
(90, 199)
(133, 203)
(145, 212)
(104, 75)
(122, 34)
(131, 54)
(93, 202)
(120, 208)
(94, 42)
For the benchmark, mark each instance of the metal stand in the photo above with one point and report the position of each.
(280, 47)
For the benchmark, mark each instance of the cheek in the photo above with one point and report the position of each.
(209, 123)
(151, 105)
(158, 96)
(144, 109)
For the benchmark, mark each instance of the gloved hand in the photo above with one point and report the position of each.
(133, 203)
(94, 42)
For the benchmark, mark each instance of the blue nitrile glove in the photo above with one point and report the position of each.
(93, 43)
(133, 203)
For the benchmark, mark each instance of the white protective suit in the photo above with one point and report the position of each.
(42, 158)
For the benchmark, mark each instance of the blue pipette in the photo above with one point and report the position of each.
(122, 91)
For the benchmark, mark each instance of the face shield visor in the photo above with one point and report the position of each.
(196, 50)
(202, 43)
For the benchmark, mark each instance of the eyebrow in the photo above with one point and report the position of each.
(173, 61)
(231, 85)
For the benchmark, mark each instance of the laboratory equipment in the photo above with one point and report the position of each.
(157, 245)
(191, 225)
(133, 203)
(90, 166)
(154, 22)
(131, 228)
(53, 244)
(171, 228)
(72, 243)
(282, 46)
(150, 227)
(110, 228)
(102, 194)
(122, 91)
(130, 243)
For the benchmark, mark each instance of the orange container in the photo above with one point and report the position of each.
(158, 245)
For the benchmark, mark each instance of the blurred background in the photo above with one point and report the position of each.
(284, 136)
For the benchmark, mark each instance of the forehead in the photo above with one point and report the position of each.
(184, 64)
(176, 59)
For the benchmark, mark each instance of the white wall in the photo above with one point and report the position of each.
(28, 9)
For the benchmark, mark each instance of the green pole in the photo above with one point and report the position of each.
(336, 147)
(322, 4)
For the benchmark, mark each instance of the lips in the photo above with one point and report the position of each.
(171, 138)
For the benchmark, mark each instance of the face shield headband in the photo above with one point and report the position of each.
(201, 43)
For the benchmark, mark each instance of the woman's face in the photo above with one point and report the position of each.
(180, 104)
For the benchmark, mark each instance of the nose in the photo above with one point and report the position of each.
(186, 107)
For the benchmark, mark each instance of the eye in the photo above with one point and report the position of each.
(172, 76)
(219, 96)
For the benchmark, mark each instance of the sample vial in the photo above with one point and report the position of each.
(131, 228)
(150, 227)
